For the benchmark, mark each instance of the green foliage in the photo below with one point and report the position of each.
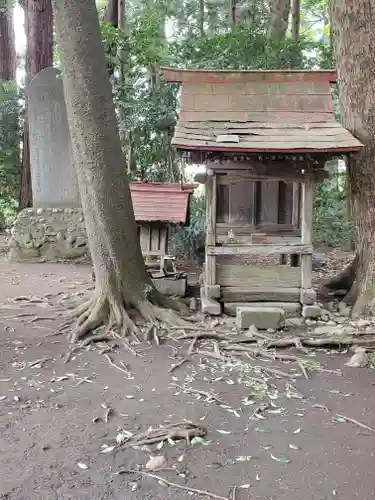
(246, 47)
(9, 151)
(331, 226)
(188, 241)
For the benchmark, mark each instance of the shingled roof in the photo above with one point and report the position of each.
(168, 203)
(258, 111)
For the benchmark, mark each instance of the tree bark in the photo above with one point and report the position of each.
(201, 18)
(39, 55)
(121, 277)
(296, 19)
(279, 18)
(7, 44)
(233, 16)
(354, 42)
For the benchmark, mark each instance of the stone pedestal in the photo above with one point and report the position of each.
(51, 234)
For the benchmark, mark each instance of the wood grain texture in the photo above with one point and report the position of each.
(258, 277)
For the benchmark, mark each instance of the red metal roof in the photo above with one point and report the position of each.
(258, 111)
(160, 202)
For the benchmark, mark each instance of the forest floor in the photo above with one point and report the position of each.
(57, 419)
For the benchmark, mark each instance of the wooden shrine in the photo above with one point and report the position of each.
(264, 137)
(158, 207)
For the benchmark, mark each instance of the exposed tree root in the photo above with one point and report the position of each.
(110, 309)
(343, 282)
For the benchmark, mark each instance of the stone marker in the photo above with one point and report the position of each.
(54, 228)
(262, 317)
(53, 176)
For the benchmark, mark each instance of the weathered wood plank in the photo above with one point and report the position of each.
(210, 187)
(241, 202)
(218, 129)
(145, 238)
(269, 203)
(306, 230)
(246, 294)
(273, 145)
(265, 136)
(210, 270)
(245, 116)
(267, 249)
(222, 202)
(257, 277)
(225, 126)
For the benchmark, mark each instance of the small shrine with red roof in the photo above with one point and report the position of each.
(264, 137)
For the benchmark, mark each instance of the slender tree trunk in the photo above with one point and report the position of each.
(121, 277)
(296, 19)
(111, 13)
(201, 18)
(7, 45)
(354, 41)
(279, 18)
(233, 17)
(39, 55)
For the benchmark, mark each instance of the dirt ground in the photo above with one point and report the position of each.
(52, 416)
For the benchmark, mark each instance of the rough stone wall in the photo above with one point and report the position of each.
(49, 234)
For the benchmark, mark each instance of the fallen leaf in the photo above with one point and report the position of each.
(245, 486)
(123, 436)
(338, 420)
(246, 458)
(160, 445)
(163, 483)
(181, 458)
(223, 431)
(297, 431)
(83, 466)
(107, 449)
(281, 459)
(266, 446)
(294, 447)
(156, 463)
(2, 398)
(257, 477)
(259, 429)
(199, 440)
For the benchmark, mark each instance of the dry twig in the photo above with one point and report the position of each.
(171, 484)
(124, 370)
(356, 422)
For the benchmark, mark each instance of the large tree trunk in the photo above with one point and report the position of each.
(279, 18)
(354, 41)
(39, 55)
(121, 277)
(7, 44)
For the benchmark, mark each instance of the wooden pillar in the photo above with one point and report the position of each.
(210, 263)
(307, 294)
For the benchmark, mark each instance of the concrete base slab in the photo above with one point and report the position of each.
(170, 286)
(209, 306)
(290, 309)
(262, 317)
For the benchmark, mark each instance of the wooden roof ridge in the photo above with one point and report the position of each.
(187, 75)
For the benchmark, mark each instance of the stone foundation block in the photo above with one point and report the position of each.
(290, 308)
(312, 312)
(262, 317)
(170, 286)
(48, 234)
